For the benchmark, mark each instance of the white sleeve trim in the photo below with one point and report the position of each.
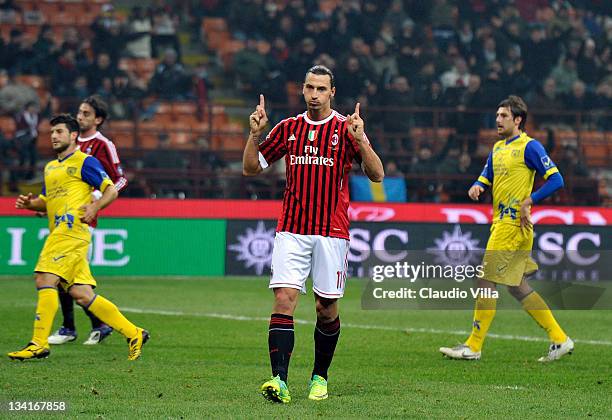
(262, 161)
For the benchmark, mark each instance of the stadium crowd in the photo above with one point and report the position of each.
(459, 56)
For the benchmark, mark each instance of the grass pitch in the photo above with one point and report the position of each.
(208, 356)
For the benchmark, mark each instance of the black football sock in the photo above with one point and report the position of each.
(67, 304)
(95, 322)
(325, 338)
(280, 343)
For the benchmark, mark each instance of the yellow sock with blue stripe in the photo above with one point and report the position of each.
(484, 312)
(541, 313)
(108, 313)
(45, 313)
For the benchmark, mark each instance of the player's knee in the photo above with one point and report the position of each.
(80, 296)
(519, 292)
(285, 300)
(41, 280)
(326, 309)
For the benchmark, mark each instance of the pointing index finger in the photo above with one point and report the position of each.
(262, 101)
(357, 109)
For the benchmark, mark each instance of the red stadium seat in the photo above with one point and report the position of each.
(123, 139)
(147, 140)
(184, 108)
(214, 24)
(596, 148)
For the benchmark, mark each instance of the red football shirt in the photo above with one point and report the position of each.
(318, 156)
(103, 149)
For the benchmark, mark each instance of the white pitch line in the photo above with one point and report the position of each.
(358, 326)
(510, 387)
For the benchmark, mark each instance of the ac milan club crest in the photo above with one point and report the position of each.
(334, 140)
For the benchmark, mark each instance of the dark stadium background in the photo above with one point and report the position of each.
(181, 78)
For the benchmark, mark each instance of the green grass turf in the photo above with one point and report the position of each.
(198, 366)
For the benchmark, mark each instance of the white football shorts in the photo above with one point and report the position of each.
(324, 258)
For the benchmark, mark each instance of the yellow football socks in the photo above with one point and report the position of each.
(108, 313)
(484, 312)
(45, 313)
(541, 313)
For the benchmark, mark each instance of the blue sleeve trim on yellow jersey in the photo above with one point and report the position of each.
(487, 171)
(483, 185)
(554, 182)
(44, 189)
(93, 173)
(537, 159)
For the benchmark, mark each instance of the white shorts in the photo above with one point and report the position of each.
(296, 256)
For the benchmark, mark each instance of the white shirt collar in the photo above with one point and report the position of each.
(309, 121)
(94, 135)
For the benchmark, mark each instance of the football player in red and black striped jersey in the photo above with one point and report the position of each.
(319, 147)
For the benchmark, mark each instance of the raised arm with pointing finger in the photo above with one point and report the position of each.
(257, 122)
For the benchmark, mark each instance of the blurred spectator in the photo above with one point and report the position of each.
(467, 170)
(170, 80)
(79, 88)
(107, 33)
(247, 18)
(396, 16)
(424, 164)
(391, 170)
(14, 95)
(251, 67)
(26, 135)
(469, 119)
(457, 77)
(384, 63)
(589, 64)
(430, 96)
(488, 53)
(138, 34)
(352, 83)
(64, 74)
(164, 32)
(301, 60)
(540, 52)
(100, 70)
(565, 74)
(105, 89)
(165, 157)
(125, 97)
(8, 12)
(547, 102)
(15, 56)
(604, 102)
(45, 49)
(580, 100)
(570, 163)
(396, 120)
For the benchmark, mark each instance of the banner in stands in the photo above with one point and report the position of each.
(366, 212)
(125, 247)
(250, 242)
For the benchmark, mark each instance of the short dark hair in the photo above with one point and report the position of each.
(71, 122)
(322, 70)
(517, 107)
(99, 106)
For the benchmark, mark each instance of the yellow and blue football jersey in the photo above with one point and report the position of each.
(510, 170)
(68, 185)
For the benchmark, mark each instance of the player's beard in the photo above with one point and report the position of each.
(61, 148)
(83, 129)
(506, 132)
